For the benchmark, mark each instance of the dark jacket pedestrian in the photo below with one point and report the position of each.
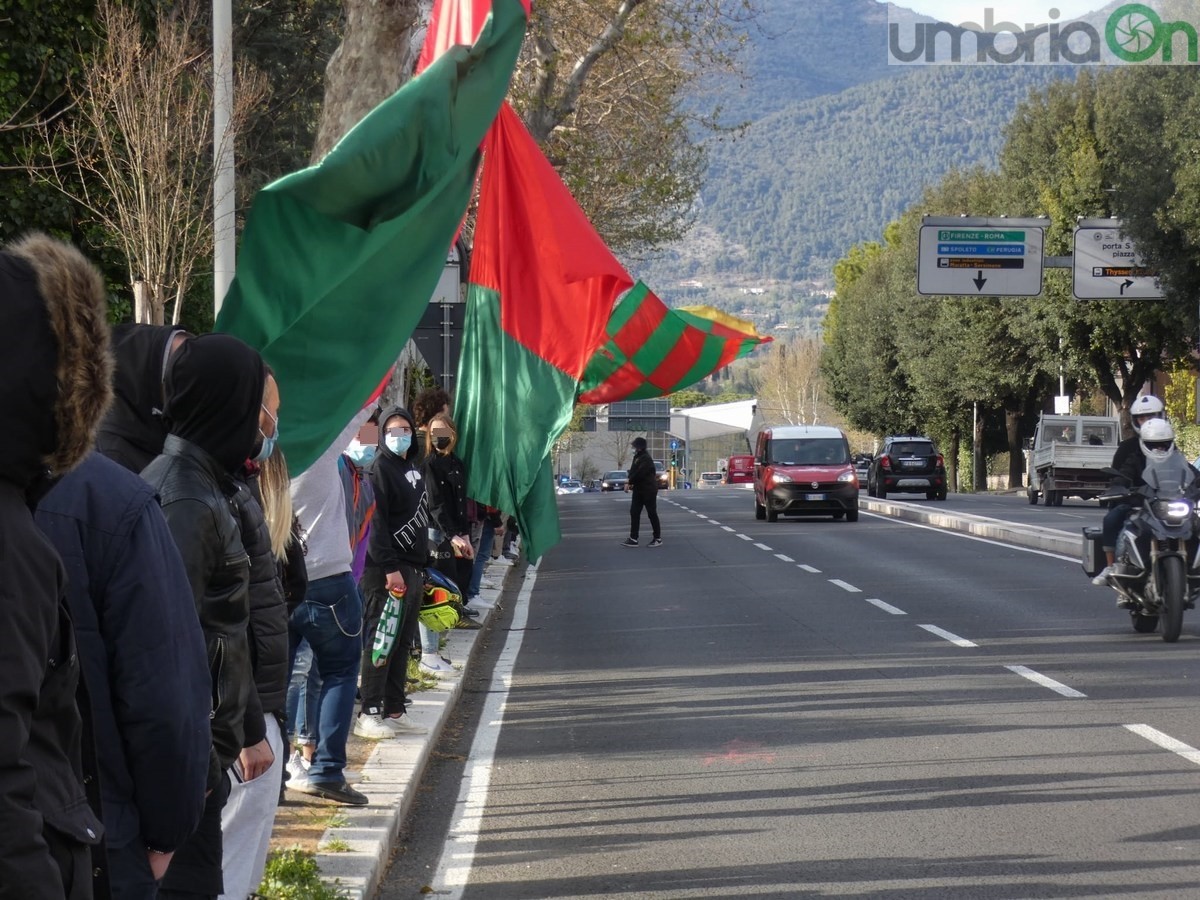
(397, 550)
(133, 431)
(143, 659)
(214, 394)
(642, 482)
(56, 385)
(446, 483)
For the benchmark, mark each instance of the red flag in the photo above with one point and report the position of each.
(452, 23)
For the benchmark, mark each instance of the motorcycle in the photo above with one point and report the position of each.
(1157, 568)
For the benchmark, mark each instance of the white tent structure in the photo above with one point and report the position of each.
(701, 422)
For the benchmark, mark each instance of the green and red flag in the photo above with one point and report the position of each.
(652, 350)
(542, 286)
(338, 261)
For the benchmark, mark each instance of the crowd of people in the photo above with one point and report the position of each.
(189, 629)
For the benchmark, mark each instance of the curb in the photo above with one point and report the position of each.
(1033, 537)
(392, 772)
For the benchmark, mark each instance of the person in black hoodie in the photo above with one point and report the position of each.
(56, 385)
(642, 482)
(214, 387)
(133, 431)
(397, 549)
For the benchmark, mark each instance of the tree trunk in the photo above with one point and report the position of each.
(1016, 457)
(378, 52)
(951, 460)
(978, 463)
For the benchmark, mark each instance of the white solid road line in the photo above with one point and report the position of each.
(1154, 736)
(949, 636)
(454, 868)
(972, 537)
(844, 586)
(886, 607)
(1038, 678)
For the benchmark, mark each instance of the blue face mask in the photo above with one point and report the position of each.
(361, 454)
(268, 444)
(398, 443)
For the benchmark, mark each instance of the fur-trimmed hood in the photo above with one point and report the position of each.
(55, 366)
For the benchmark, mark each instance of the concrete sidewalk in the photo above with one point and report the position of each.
(393, 771)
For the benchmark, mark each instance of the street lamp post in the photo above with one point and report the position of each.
(224, 233)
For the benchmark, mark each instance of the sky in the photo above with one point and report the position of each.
(1018, 11)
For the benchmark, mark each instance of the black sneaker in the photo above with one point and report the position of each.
(629, 542)
(657, 542)
(337, 791)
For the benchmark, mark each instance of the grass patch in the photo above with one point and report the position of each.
(293, 874)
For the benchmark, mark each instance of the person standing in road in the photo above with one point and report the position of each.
(642, 482)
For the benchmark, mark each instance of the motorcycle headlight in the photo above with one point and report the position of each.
(1175, 510)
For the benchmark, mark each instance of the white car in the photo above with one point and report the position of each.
(569, 487)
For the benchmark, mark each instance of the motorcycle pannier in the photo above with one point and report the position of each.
(1093, 550)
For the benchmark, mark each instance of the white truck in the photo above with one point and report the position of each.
(1068, 455)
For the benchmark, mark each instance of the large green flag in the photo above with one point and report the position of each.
(338, 261)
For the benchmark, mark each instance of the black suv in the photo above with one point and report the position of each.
(908, 463)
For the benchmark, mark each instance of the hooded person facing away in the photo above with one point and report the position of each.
(214, 388)
(133, 432)
(56, 385)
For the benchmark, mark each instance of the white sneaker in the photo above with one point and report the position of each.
(434, 665)
(297, 769)
(404, 725)
(1102, 576)
(372, 728)
(502, 561)
(489, 584)
(480, 604)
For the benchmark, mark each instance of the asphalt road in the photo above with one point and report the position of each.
(811, 708)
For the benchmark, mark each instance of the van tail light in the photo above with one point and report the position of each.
(885, 463)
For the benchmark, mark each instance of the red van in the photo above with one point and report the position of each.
(804, 470)
(740, 470)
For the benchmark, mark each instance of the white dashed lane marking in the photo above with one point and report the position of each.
(1038, 678)
(809, 569)
(763, 547)
(784, 558)
(949, 636)
(844, 586)
(886, 607)
(1154, 736)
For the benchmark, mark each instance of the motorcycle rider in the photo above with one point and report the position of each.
(1129, 459)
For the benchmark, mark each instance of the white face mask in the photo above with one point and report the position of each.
(398, 443)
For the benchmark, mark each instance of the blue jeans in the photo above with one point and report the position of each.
(330, 619)
(1114, 521)
(304, 690)
(482, 557)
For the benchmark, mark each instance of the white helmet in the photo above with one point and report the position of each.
(1157, 439)
(1143, 406)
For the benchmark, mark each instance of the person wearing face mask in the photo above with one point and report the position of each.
(255, 777)
(214, 388)
(450, 535)
(397, 549)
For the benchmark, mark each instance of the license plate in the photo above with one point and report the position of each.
(814, 496)
(910, 463)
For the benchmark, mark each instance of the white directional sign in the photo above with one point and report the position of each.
(986, 257)
(1107, 265)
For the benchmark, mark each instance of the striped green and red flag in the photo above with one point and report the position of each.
(652, 350)
(542, 286)
(338, 261)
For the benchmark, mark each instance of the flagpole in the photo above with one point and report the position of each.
(224, 236)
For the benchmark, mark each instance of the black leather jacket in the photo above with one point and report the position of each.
(196, 495)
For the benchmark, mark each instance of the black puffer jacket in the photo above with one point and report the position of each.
(268, 613)
(214, 388)
(55, 376)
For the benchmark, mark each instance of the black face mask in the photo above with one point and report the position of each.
(442, 443)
